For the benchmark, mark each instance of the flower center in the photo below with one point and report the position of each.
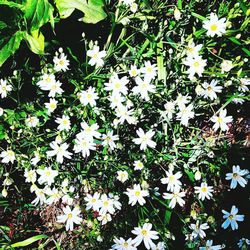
(70, 216)
(214, 27)
(204, 189)
(137, 193)
(196, 64)
(144, 232)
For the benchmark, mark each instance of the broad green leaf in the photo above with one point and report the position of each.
(12, 4)
(160, 63)
(29, 241)
(12, 45)
(92, 9)
(35, 41)
(38, 13)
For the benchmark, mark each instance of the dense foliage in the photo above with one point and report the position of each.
(124, 124)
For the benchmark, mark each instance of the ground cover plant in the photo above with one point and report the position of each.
(124, 124)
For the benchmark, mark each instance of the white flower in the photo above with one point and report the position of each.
(226, 66)
(117, 85)
(47, 81)
(144, 139)
(237, 177)
(84, 146)
(198, 229)
(54, 195)
(196, 65)
(106, 205)
(146, 235)
(40, 197)
(8, 156)
(64, 123)
(32, 121)
(160, 246)
(122, 244)
(51, 105)
(150, 70)
(192, 50)
(89, 132)
(221, 120)
(4, 88)
(143, 87)
(138, 165)
(30, 175)
(88, 97)
(61, 62)
(243, 242)
(35, 159)
(172, 180)
(175, 197)
(122, 176)
(133, 72)
(116, 100)
(210, 89)
(96, 56)
(214, 25)
(47, 175)
(93, 201)
(136, 194)
(1, 111)
(104, 218)
(209, 246)
(127, 2)
(55, 88)
(169, 109)
(232, 218)
(124, 114)
(182, 100)
(134, 7)
(70, 217)
(185, 113)
(204, 191)
(109, 140)
(244, 82)
(60, 151)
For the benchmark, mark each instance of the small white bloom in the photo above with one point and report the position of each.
(30, 175)
(109, 140)
(136, 194)
(232, 218)
(172, 180)
(84, 146)
(144, 139)
(32, 121)
(122, 244)
(185, 113)
(93, 201)
(8, 156)
(60, 151)
(51, 105)
(47, 175)
(175, 197)
(64, 123)
(117, 85)
(61, 62)
(209, 246)
(4, 88)
(214, 25)
(210, 89)
(198, 230)
(88, 97)
(146, 235)
(96, 56)
(226, 66)
(133, 72)
(221, 120)
(122, 175)
(138, 165)
(204, 191)
(150, 70)
(244, 82)
(196, 65)
(70, 217)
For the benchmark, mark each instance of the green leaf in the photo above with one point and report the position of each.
(160, 62)
(3, 25)
(246, 51)
(234, 40)
(12, 45)
(29, 241)
(167, 217)
(202, 18)
(35, 42)
(12, 4)
(38, 13)
(92, 9)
